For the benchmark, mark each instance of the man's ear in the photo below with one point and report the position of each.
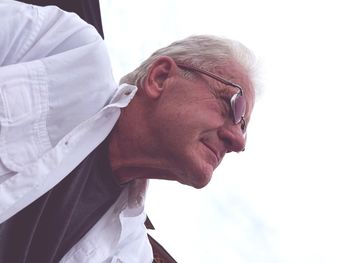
(159, 71)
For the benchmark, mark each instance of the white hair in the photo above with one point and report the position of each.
(204, 51)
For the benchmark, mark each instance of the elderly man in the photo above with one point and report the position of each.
(76, 150)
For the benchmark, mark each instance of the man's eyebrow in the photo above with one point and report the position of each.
(225, 90)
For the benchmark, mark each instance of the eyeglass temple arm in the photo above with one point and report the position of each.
(225, 81)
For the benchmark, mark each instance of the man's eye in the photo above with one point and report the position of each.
(227, 103)
(225, 107)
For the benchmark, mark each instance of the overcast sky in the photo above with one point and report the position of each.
(285, 199)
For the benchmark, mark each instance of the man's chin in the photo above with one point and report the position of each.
(196, 174)
(200, 185)
(198, 181)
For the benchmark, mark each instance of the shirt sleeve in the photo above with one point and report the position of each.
(30, 32)
(42, 59)
(55, 74)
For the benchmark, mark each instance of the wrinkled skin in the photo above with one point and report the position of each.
(178, 128)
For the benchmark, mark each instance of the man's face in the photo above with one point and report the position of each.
(193, 124)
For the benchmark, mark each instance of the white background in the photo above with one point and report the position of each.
(286, 198)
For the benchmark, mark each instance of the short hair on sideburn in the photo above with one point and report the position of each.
(204, 51)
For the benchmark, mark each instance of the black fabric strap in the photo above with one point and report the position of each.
(45, 230)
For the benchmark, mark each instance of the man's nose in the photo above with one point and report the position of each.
(233, 137)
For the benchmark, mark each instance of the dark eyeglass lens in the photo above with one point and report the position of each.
(238, 107)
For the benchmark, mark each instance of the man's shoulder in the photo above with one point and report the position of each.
(32, 32)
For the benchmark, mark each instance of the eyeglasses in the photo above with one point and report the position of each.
(237, 101)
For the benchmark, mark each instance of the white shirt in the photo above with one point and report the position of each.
(58, 101)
